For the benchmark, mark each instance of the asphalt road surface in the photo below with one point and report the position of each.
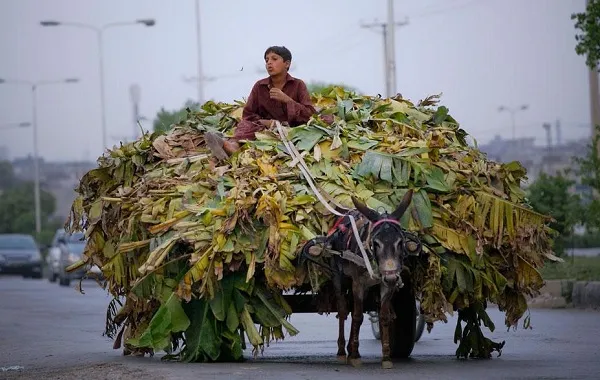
(53, 332)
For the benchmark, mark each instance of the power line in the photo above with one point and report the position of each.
(447, 9)
(387, 31)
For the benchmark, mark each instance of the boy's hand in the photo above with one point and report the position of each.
(277, 94)
(266, 122)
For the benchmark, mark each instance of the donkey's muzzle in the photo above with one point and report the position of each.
(392, 279)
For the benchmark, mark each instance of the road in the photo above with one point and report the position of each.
(56, 333)
(589, 252)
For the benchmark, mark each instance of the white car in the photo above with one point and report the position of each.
(66, 250)
(53, 256)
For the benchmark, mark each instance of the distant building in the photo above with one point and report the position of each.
(536, 159)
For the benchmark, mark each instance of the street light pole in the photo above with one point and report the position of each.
(100, 34)
(512, 112)
(36, 166)
(6, 126)
(102, 96)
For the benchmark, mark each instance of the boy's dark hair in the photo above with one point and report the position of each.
(281, 51)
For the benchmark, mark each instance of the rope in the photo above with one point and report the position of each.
(297, 160)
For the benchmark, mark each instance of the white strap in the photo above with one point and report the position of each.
(297, 158)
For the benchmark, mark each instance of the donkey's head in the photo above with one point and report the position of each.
(388, 241)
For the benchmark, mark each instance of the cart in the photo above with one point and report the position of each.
(405, 329)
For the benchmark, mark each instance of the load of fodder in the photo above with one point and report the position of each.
(197, 255)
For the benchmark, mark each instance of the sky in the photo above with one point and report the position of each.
(479, 54)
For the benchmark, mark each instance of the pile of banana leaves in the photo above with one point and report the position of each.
(197, 253)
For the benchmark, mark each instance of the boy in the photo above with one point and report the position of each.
(278, 97)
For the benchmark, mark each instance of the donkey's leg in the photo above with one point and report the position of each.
(358, 292)
(342, 308)
(385, 318)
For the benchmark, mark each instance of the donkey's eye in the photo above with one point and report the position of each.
(376, 245)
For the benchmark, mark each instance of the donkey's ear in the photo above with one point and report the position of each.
(370, 214)
(399, 211)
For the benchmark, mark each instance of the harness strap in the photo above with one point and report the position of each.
(385, 220)
(338, 225)
(296, 156)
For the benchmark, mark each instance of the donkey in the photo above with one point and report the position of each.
(388, 244)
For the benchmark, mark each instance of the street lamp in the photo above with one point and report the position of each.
(512, 112)
(36, 166)
(100, 32)
(15, 125)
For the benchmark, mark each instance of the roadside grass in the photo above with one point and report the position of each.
(579, 268)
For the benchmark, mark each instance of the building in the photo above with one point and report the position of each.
(535, 158)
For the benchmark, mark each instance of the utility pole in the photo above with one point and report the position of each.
(199, 63)
(594, 96)
(594, 99)
(389, 47)
(391, 50)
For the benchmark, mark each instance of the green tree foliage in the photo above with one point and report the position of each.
(165, 119)
(7, 176)
(17, 210)
(550, 195)
(319, 87)
(588, 37)
(588, 169)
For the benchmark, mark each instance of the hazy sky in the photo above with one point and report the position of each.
(479, 53)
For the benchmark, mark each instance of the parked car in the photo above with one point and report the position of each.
(69, 249)
(20, 254)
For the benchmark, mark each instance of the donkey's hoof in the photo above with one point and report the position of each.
(356, 363)
(342, 358)
(387, 364)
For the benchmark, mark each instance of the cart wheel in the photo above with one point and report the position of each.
(402, 329)
(420, 326)
(374, 319)
(64, 281)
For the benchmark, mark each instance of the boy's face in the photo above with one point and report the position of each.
(275, 64)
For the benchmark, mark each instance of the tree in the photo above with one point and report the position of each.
(7, 175)
(588, 39)
(318, 87)
(550, 195)
(17, 212)
(587, 168)
(165, 119)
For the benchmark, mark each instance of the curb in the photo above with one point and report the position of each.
(586, 294)
(558, 294)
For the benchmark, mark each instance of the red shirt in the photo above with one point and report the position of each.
(261, 106)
